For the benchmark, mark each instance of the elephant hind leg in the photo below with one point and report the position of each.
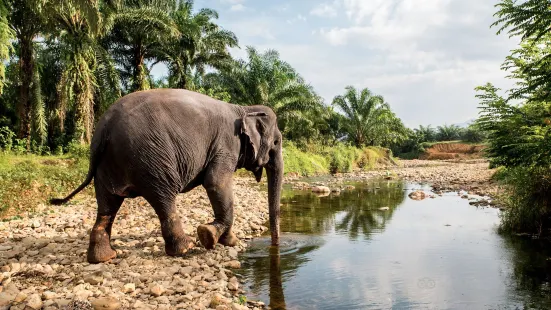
(100, 249)
(177, 242)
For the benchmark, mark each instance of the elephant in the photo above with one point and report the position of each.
(159, 143)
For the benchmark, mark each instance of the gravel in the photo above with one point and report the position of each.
(43, 257)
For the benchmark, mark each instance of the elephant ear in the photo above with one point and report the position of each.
(252, 127)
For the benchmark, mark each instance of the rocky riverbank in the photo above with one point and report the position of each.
(43, 258)
(43, 255)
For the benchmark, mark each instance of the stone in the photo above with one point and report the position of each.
(35, 224)
(94, 278)
(234, 264)
(129, 288)
(236, 306)
(20, 297)
(156, 289)
(417, 195)
(232, 253)
(233, 284)
(5, 247)
(106, 303)
(34, 301)
(321, 189)
(47, 295)
(186, 270)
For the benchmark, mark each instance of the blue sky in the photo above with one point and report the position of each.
(424, 56)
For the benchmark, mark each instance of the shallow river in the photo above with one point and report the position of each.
(375, 248)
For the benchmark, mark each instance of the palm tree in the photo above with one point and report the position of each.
(27, 21)
(370, 120)
(426, 133)
(265, 79)
(448, 133)
(77, 26)
(6, 36)
(201, 44)
(140, 29)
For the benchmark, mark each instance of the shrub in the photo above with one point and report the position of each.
(6, 138)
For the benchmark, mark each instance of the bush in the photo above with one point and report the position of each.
(6, 139)
(528, 199)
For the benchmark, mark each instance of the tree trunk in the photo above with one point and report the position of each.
(26, 63)
(183, 80)
(139, 78)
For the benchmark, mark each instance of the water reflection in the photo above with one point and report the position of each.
(371, 248)
(353, 212)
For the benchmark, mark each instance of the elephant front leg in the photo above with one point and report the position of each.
(220, 194)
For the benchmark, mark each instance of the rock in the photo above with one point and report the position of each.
(129, 288)
(234, 264)
(336, 190)
(384, 209)
(94, 278)
(232, 253)
(236, 306)
(108, 303)
(233, 284)
(5, 247)
(321, 189)
(186, 270)
(47, 295)
(34, 301)
(20, 297)
(349, 187)
(35, 224)
(417, 195)
(156, 289)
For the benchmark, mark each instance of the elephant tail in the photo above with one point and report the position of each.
(60, 201)
(94, 161)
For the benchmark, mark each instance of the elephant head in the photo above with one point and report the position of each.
(262, 150)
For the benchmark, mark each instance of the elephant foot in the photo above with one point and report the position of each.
(207, 235)
(99, 253)
(178, 246)
(228, 239)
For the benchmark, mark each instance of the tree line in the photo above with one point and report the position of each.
(64, 62)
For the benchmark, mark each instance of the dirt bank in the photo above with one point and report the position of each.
(43, 258)
(442, 151)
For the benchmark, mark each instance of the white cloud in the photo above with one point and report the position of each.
(237, 7)
(325, 10)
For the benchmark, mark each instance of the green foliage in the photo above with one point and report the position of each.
(341, 158)
(6, 138)
(6, 36)
(518, 135)
(531, 63)
(370, 121)
(528, 201)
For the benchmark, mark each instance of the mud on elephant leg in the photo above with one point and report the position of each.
(176, 241)
(220, 194)
(100, 249)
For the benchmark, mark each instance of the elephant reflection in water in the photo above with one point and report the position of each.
(277, 297)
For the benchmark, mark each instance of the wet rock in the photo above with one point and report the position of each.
(233, 284)
(417, 195)
(321, 189)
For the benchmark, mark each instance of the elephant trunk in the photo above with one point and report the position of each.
(275, 179)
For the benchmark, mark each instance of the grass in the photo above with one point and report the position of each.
(29, 180)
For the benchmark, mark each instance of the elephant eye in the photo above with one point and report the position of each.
(276, 142)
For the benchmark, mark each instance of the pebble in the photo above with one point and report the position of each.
(34, 301)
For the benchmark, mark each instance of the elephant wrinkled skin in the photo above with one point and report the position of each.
(159, 143)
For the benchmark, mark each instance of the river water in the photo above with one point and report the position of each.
(375, 248)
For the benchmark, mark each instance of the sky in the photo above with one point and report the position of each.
(425, 57)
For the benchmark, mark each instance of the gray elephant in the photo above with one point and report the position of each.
(159, 143)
